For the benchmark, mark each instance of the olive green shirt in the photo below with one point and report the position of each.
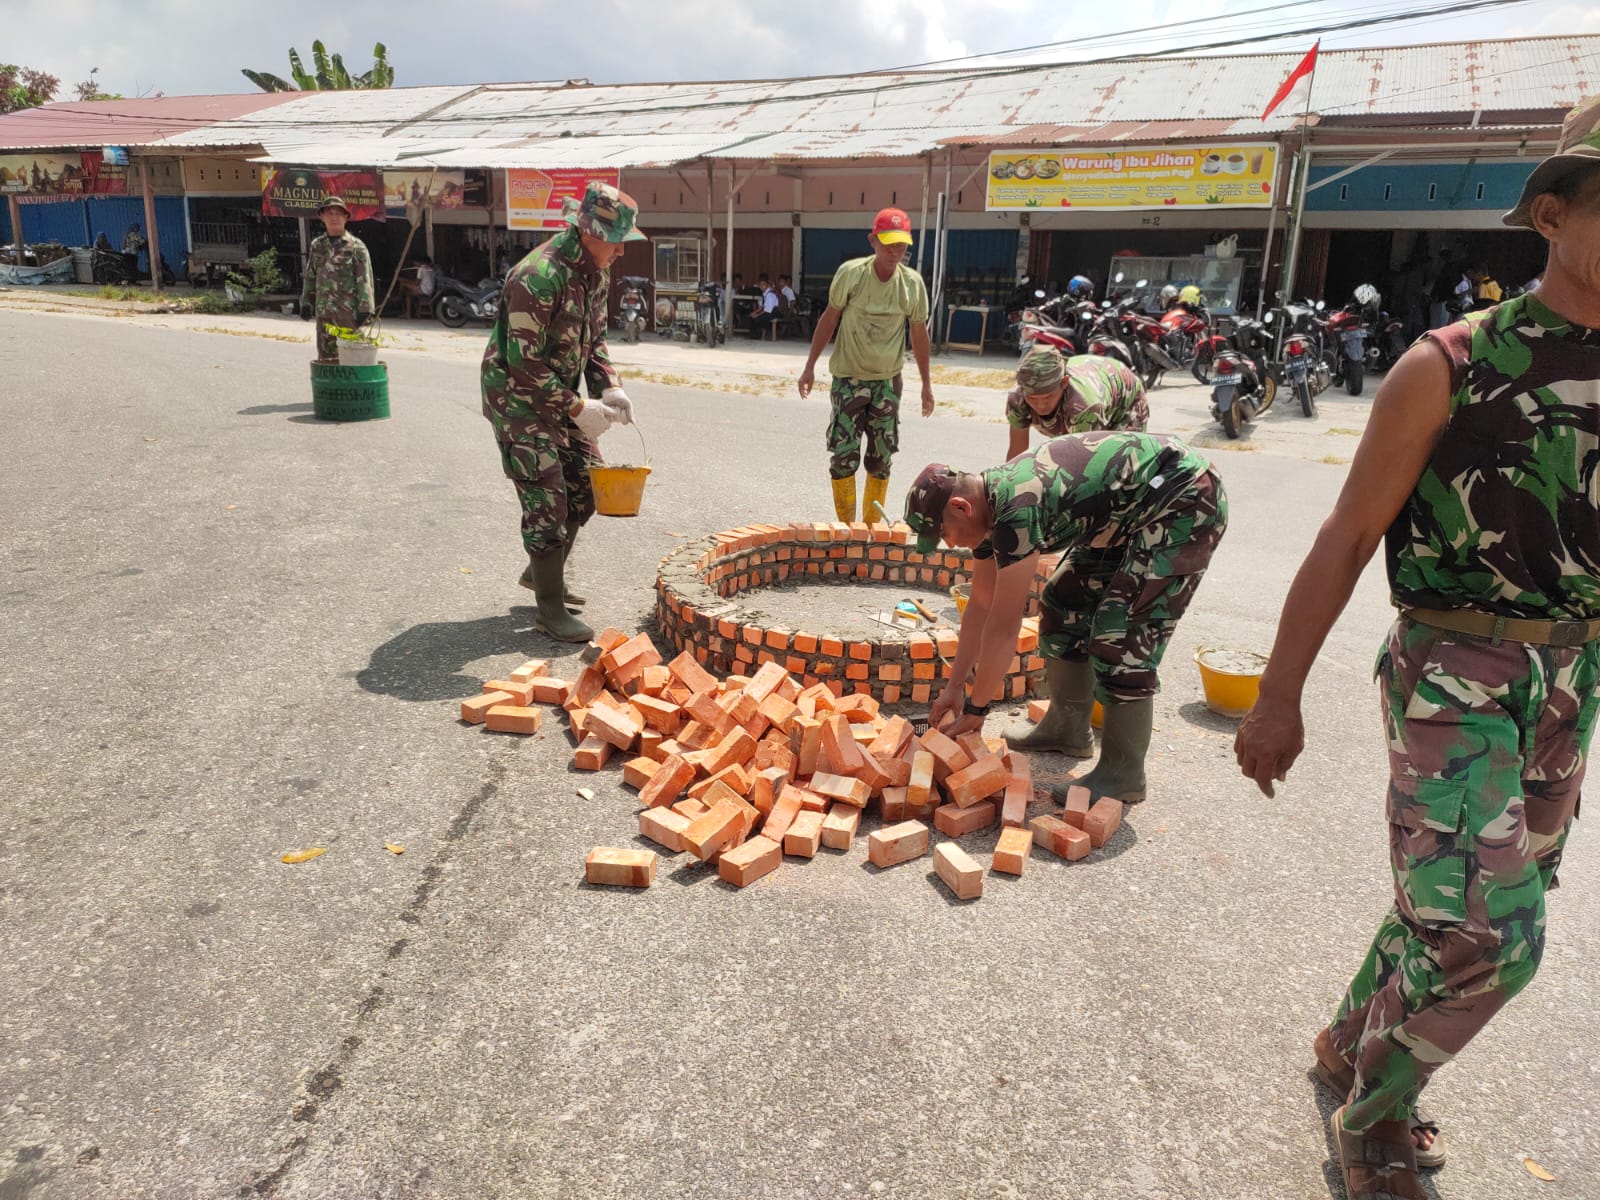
(871, 342)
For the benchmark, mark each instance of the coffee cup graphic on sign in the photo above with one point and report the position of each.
(1212, 164)
(1234, 163)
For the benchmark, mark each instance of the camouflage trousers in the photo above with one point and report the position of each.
(1487, 746)
(1118, 606)
(551, 475)
(863, 410)
(327, 344)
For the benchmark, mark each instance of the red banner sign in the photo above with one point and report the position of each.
(300, 192)
(63, 174)
(534, 199)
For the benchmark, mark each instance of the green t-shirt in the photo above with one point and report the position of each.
(872, 325)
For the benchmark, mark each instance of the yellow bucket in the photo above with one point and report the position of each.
(1232, 680)
(1097, 715)
(618, 490)
(961, 593)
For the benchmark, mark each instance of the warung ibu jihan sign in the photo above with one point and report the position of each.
(1217, 176)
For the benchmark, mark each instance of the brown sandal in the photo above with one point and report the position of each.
(1378, 1163)
(1339, 1077)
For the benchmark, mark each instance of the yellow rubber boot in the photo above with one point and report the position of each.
(877, 491)
(844, 498)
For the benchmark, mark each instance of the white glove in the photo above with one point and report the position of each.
(618, 407)
(592, 419)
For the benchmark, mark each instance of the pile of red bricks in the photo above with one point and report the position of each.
(743, 771)
(698, 611)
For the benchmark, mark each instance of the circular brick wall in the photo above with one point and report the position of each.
(699, 608)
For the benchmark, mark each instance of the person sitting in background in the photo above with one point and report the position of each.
(416, 282)
(766, 310)
(132, 243)
(786, 291)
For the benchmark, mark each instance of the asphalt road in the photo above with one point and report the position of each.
(228, 631)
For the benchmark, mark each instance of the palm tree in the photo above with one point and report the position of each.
(330, 76)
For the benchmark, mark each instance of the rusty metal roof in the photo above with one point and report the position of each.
(904, 114)
(88, 123)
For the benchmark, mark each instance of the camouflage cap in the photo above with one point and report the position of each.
(925, 501)
(606, 213)
(333, 202)
(1579, 145)
(1040, 370)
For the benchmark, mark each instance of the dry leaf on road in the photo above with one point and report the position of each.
(300, 856)
(394, 847)
(465, 570)
(1536, 1170)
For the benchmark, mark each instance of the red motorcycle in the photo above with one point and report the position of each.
(1184, 327)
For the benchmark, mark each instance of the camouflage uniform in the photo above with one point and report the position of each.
(1487, 740)
(1097, 393)
(1139, 517)
(863, 410)
(337, 287)
(865, 398)
(550, 335)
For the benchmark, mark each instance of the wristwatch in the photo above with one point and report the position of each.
(975, 710)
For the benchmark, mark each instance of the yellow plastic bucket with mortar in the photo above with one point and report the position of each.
(1231, 679)
(618, 491)
(961, 593)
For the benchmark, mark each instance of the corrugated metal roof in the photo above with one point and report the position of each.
(902, 114)
(81, 123)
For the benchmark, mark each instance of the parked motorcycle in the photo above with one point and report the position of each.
(708, 309)
(455, 303)
(1241, 368)
(632, 308)
(1347, 347)
(1184, 327)
(1387, 343)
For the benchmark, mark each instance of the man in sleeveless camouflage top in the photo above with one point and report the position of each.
(1480, 470)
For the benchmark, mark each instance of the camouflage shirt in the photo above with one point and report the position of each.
(338, 280)
(1506, 515)
(1096, 393)
(549, 336)
(1093, 490)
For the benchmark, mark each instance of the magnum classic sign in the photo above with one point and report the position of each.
(300, 191)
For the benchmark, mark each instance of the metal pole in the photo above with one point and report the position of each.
(1300, 192)
(1266, 250)
(727, 255)
(922, 222)
(150, 224)
(16, 227)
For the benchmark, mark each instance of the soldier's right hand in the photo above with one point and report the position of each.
(1270, 738)
(807, 378)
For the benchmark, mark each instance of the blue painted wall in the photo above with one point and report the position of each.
(821, 250)
(1418, 187)
(79, 222)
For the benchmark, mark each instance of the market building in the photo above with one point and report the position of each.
(1158, 169)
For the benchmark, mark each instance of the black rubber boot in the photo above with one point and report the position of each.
(1124, 742)
(553, 616)
(571, 535)
(1065, 728)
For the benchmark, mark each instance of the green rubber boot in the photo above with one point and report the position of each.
(1065, 728)
(1124, 742)
(571, 535)
(553, 617)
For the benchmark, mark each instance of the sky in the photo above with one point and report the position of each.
(180, 47)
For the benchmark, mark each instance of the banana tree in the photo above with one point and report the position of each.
(329, 73)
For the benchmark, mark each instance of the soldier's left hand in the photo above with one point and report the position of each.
(617, 405)
(927, 399)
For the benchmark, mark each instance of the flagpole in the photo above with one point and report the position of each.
(1292, 261)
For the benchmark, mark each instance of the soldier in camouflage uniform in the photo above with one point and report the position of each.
(548, 340)
(872, 302)
(1139, 517)
(1081, 394)
(1478, 467)
(338, 280)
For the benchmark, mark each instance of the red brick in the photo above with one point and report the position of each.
(921, 646)
(784, 810)
(663, 827)
(513, 718)
(840, 826)
(766, 788)
(716, 829)
(894, 805)
(953, 821)
(948, 758)
(919, 788)
(1063, 840)
(1079, 800)
(690, 808)
(637, 772)
(841, 787)
(592, 753)
(690, 673)
(804, 834)
(1012, 850)
(667, 784)
(748, 862)
(532, 669)
(861, 650)
(958, 870)
(982, 779)
(1105, 816)
(619, 726)
(620, 867)
(475, 708)
(521, 693)
(805, 643)
(895, 844)
(806, 735)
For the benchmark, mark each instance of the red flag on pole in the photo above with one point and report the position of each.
(1307, 65)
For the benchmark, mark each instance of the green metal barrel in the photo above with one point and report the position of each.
(340, 393)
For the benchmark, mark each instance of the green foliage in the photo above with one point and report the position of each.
(90, 89)
(259, 275)
(213, 305)
(344, 333)
(24, 87)
(329, 73)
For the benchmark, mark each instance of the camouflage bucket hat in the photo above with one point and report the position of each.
(333, 202)
(925, 501)
(607, 214)
(1579, 146)
(1040, 370)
